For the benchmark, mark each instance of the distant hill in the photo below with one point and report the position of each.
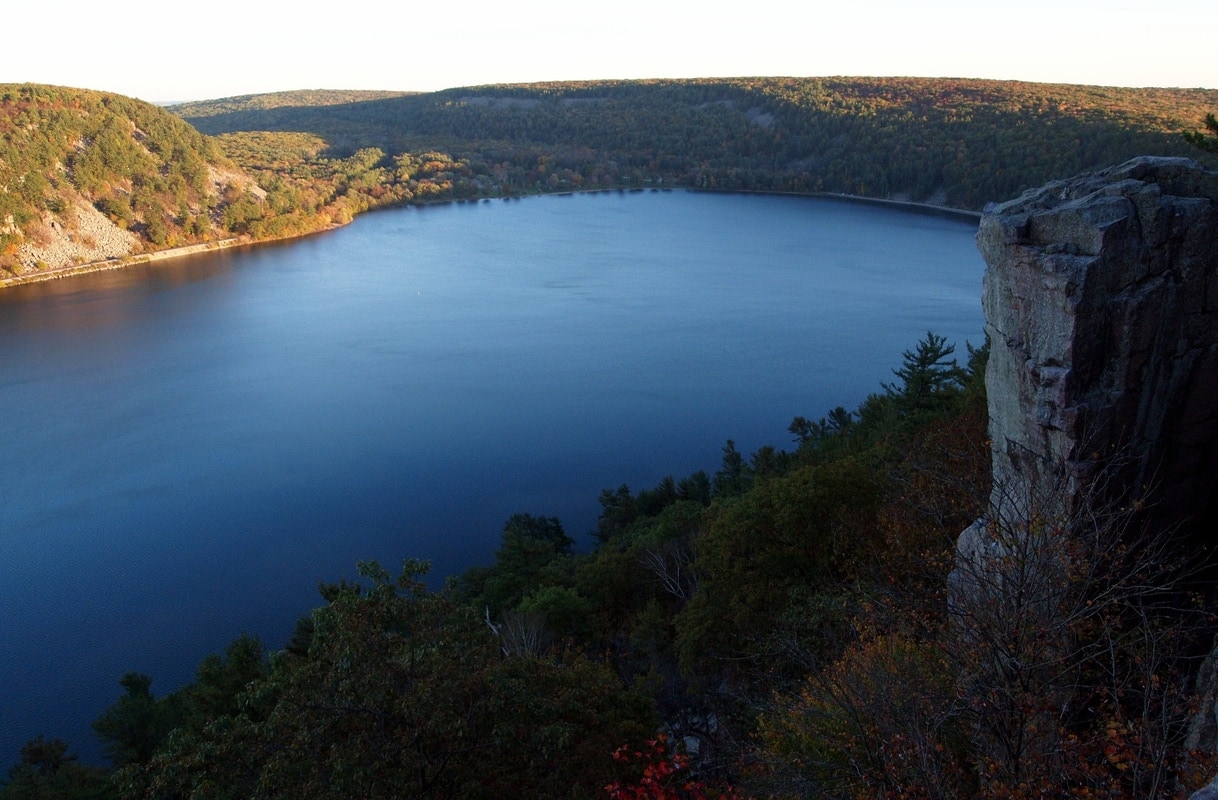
(254, 103)
(951, 142)
(87, 175)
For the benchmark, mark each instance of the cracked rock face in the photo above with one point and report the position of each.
(1101, 304)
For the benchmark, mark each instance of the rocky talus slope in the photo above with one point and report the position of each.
(84, 235)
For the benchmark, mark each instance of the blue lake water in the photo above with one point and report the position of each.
(189, 448)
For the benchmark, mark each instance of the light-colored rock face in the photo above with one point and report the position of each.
(87, 236)
(1101, 303)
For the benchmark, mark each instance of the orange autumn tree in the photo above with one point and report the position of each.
(665, 776)
(1062, 667)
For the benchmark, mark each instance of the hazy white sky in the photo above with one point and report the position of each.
(161, 50)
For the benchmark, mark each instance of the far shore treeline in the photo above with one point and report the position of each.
(777, 628)
(958, 143)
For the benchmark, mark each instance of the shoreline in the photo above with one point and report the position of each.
(238, 241)
(906, 205)
(146, 258)
(122, 261)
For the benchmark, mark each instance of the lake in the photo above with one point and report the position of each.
(190, 447)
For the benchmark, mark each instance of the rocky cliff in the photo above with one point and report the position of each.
(1101, 304)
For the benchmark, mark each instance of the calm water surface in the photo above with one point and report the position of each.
(189, 448)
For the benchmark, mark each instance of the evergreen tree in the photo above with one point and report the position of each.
(928, 376)
(1205, 141)
(47, 771)
(133, 728)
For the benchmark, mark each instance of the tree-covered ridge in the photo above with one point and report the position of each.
(262, 102)
(307, 190)
(960, 143)
(67, 150)
(87, 176)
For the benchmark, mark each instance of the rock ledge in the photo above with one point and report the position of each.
(1101, 304)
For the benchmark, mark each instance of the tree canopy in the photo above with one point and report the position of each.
(1209, 139)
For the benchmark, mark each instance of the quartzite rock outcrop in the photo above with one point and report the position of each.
(1101, 305)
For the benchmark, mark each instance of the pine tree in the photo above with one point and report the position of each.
(928, 376)
(1205, 141)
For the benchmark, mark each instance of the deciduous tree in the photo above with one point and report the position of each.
(402, 693)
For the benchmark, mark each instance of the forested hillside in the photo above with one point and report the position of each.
(959, 143)
(295, 99)
(87, 175)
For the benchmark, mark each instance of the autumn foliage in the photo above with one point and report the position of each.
(665, 776)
